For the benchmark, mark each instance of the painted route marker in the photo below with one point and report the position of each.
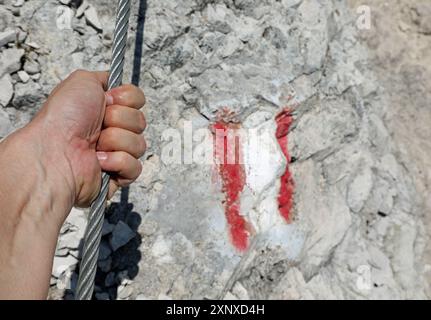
(232, 175)
(285, 197)
(230, 168)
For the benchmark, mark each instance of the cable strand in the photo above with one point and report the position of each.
(93, 233)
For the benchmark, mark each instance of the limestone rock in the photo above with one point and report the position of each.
(62, 264)
(31, 67)
(6, 93)
(28, 95)
(10, 61)
(7, 36)
(92, 18)
(23, 76)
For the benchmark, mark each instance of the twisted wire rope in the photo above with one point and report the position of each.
(93, 233)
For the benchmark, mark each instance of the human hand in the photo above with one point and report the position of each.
(54, 163)
(96, 131)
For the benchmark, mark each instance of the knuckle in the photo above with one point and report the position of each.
(127, 91)
(133, 91)
(142, 146)
(139, 171)
(129, 87)
(109, 136)
(123, 160)
(142, 122)
(111, 115)
(79, 73)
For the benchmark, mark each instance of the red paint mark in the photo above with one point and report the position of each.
(285, 197)
(233, 179)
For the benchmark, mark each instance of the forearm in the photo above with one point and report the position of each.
(35, 196)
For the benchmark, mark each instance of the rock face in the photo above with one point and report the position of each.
(408, 90)
(356, 229)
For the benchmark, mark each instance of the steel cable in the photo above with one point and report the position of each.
(93, 233)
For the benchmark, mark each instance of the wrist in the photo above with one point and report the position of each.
(36, 194)
(38, 169)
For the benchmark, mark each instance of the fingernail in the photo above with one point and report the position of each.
(109, 99)
(102, 156)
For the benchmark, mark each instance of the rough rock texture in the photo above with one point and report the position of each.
(359, 223)
(399, 46)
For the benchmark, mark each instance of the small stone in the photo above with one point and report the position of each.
(6, 92)
(10, 61)
(18, 3)
(61, 264)
(32, 56)
(23, 76)
(22, 36)
(36, 76)
(123, 277)
(124, 292)
(70, 240)
(52, 281)
(121, 235)
(65, 280)
(66, 228)
(78, 218)
(92, 18)
(33, 45)
(64, 18)
(27, 95)
(7, 37)
(32, 67)
(82, 8)
(72, 231)
(61, 252)
(77, 253)
(6, 18)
